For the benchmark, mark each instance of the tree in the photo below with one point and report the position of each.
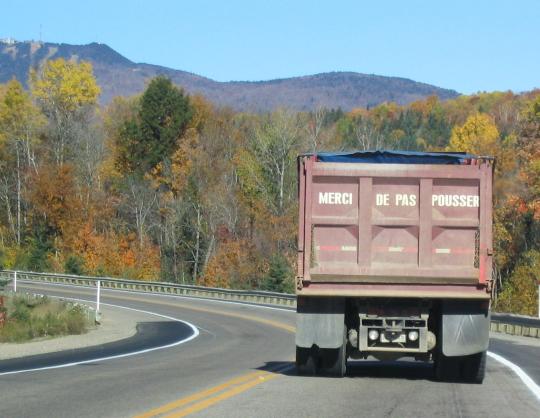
(66, 91)
(152, 136)
(140, 203)
(478, 135)
(275, 146)
(74, 265)
(56, 206)
(280, 277)
(520, 294)
(20, 122)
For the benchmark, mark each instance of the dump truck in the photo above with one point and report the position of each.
(394, 260)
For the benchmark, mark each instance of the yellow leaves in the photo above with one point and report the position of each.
(396, 135)
(65, 84)
(521, 292)
(174, 176)
(19, 118)
(202, 111)
(478, 135)
(249, 174)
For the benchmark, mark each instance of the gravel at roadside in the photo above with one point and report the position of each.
(116, 324)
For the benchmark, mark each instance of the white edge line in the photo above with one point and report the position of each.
(133, 353)
(525, 378)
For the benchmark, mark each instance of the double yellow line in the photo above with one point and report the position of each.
(208, 397)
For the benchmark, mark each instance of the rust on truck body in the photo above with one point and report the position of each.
(397, 230)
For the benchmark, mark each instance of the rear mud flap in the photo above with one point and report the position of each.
(320, 322)
(465, 328)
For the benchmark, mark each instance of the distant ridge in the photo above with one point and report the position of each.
(118, 76)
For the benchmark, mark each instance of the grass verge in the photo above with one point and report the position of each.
(36, 316)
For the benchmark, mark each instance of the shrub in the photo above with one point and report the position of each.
(279, 277)
(74, 265)
(36, 316)
(520, 294)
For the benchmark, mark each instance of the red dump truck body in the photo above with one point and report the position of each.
(395, 229)
(394, 232)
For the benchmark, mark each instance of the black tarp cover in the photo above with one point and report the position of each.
(394, 157)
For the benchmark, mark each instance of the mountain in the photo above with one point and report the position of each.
(118, 76)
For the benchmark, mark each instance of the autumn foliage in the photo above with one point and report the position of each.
(165, 186)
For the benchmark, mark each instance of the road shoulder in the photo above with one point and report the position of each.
(116, 324)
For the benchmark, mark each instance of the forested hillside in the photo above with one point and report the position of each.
(166, 186)
(118, 76)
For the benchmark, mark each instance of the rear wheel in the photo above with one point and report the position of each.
(333, 361)
(447, 368)
(306, 361)
(471, 369)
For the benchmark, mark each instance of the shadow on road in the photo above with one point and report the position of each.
(149, 335)
(410, 370)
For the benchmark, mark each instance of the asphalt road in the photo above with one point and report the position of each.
(223, 372)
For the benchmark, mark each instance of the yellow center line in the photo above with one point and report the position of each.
(199, 406)
(199, 395)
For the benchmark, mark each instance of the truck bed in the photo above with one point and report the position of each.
(377, 228)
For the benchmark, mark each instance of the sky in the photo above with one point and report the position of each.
(468, 46)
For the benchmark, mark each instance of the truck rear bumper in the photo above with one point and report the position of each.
(428, 291)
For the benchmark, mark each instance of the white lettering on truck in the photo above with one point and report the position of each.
(440, 200)
(455, 200)
(335, 198)
(400, 199)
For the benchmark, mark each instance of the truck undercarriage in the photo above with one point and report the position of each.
(332, 330)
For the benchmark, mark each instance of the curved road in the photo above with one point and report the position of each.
(240, 365)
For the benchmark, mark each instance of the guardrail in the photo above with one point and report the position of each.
(260, 297)
(500, 322)
(512, 324)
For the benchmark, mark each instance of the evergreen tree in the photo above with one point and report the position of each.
(153, 136)
(279, 277)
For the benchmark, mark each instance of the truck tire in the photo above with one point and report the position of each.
(470, 369)
(447, 369)
(473, 368)
(306, 361)
(333, 362)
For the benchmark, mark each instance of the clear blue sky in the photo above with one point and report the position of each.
(469, 46)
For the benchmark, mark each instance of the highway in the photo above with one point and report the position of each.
(240, 365)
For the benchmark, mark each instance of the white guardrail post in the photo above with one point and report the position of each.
(15, 282)
(98, 296)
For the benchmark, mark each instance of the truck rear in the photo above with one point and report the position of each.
(394, 259)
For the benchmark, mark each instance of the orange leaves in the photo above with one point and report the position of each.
(233, 265)
(116, 255)
(54, 197)
(426, 106)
